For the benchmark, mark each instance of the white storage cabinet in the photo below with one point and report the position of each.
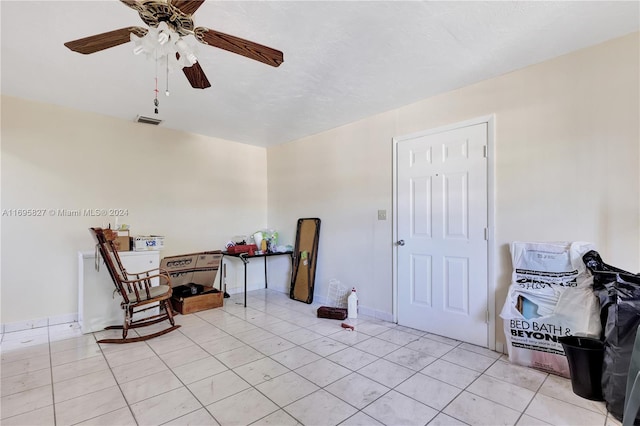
(98, 306)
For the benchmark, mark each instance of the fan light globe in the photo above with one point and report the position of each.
(163, 42)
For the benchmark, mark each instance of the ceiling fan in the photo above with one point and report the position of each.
(177, 15)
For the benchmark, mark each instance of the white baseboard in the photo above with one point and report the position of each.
(250, 287)
(39, 322)
(321, 300)
(381, 315)
(63, 319)
(26, 325)
(236, 290)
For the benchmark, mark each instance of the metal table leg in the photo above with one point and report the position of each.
(266, 285)
(245, 261)
(244, 257)
(245, 284)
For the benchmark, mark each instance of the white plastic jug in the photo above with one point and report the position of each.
(257, 239)
(352, 304)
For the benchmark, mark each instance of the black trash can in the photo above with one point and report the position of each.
(585, 356)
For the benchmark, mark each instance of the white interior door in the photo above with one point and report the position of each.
(442, 233)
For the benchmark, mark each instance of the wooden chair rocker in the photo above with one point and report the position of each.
(138, 295)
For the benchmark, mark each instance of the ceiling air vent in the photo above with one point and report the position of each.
(147, 120)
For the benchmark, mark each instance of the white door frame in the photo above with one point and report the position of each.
(491, 248)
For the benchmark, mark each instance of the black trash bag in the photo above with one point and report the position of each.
(619, 294)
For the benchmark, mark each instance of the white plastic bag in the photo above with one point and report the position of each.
(550, 297)
(532, 341)
(550, 263)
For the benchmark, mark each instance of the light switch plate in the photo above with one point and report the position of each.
(382, 215)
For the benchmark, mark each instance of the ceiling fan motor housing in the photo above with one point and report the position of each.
(152, 12)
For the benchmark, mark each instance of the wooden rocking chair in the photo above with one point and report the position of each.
(138, 295)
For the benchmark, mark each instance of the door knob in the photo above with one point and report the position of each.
(400, 242)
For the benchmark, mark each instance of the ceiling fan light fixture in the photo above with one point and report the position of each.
(161, 42)
(168, 21)
(163, 37)
(137, 49)
(186, 53)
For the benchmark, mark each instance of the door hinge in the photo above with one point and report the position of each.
(486, 234)
(484, 151)
(487, 317)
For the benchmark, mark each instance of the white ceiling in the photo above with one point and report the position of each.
(343, 60)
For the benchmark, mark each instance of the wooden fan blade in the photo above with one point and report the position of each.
(188, 7)
(196, 76)
(240, 46)
(98, 42)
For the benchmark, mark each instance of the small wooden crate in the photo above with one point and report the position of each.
(198, 302)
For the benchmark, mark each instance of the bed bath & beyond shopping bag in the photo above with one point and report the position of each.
(550, 296)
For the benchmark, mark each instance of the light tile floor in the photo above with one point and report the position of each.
(276, 363)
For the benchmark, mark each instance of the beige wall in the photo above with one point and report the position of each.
(566, 156)
(567, 164)
(195, 190)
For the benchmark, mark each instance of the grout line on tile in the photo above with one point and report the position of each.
(53, 393)
(276, 308)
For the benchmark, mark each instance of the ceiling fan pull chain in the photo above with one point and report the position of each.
(167, 91)
(156, 102)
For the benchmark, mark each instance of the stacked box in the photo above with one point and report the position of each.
(199, 302)
(194, 268)
(122, 241)
(150, 242)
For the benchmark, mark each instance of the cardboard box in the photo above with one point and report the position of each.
(198, 268)
(150, 242)
(198, 302)
(120, 239)
(209, 259)
(122, 243)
